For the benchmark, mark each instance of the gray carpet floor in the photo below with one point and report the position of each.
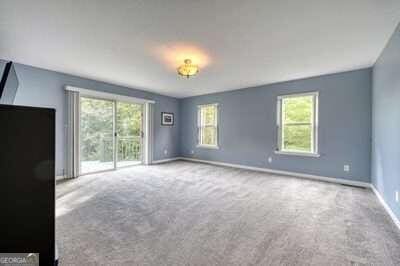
(184, 213)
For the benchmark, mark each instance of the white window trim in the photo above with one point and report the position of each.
(315, 152)
(206, 146)
(107, 96)
(295, 153)
(213, 147)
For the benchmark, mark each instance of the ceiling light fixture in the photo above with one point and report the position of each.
(188, 69)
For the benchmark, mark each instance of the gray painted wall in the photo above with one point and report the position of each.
(385, 163)
(247, 124)
(247, 129)
(43, 88)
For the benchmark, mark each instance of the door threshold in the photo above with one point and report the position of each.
(110, 170)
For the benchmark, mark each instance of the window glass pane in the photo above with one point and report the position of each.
(96, 135)
(209, 136)
(208, 115)
(297, 109)
(129, 129)
(297, 138)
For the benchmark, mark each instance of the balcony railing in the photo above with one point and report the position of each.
(129, 148)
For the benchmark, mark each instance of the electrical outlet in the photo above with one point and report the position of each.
(397, 196)
(269, 159)
(165, 152)
(346, 168)
(192, 152)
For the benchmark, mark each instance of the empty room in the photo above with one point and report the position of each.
(190, 132)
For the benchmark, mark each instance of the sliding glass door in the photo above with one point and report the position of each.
(96, 135)
(129, 134)
(110, 134)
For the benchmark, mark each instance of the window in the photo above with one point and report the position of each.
(297, 122)
(207, 118)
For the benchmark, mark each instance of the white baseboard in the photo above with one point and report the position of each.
(166, 160)
(280, 172)
(386, 206)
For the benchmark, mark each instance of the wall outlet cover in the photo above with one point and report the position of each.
(397, 196)
(165, 152)
(192, 152)
(346, 168)
(270, 159)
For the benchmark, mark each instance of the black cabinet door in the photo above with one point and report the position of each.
(27, 181)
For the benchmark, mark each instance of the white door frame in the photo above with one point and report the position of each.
(148, 132)
(147, 121)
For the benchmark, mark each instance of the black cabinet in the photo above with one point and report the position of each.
(27, 181)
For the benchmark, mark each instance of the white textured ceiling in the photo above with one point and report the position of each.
(237, 43)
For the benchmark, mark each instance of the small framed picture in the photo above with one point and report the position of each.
(167, 119)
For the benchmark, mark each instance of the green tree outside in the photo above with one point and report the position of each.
(96, 127)
(297, 123)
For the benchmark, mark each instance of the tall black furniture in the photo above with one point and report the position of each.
(27, 181)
